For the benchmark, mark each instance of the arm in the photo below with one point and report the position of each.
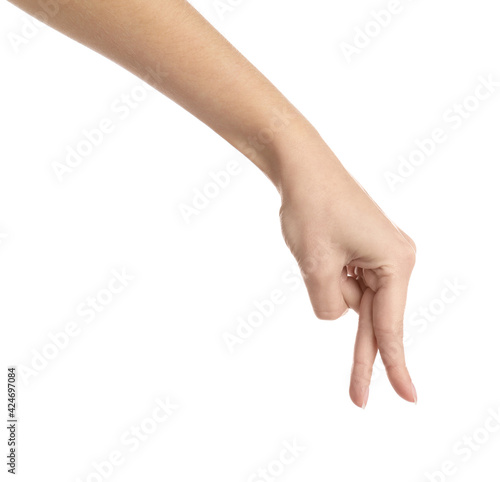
(350, 254)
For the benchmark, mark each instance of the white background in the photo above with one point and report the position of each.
(163, 335)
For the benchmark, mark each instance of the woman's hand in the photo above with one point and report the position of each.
(351, 256)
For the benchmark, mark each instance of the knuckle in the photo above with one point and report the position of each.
(392, 353)
(412, 243)
(361, 372)
(318, 269)
(390, 341)
(391, 332)
(405, 255)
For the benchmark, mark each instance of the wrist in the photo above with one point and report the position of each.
(294, 156)
(284, 146)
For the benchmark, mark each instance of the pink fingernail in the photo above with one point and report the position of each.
(414, 393)
(365, 400)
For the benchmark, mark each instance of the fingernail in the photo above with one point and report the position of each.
(414, 393)
(365, 399)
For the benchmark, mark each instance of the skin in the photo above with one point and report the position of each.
(350, 254)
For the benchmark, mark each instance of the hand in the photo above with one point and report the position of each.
(351, 256)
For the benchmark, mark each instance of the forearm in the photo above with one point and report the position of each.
(171, 46)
